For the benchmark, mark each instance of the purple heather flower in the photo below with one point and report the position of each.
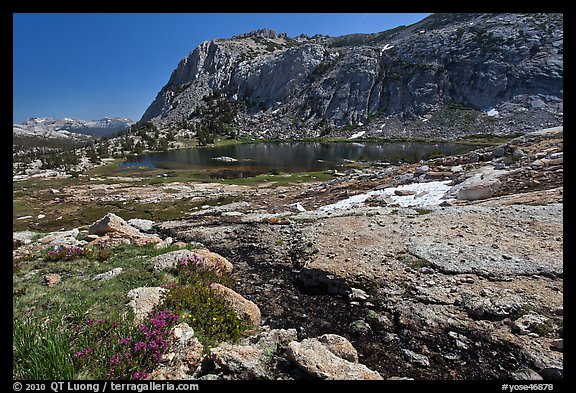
(125, 341)
(153, 345)
(140, 375)
(115, 360)
(139, 345)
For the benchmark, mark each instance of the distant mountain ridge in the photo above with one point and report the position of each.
(509, 65)
(69, 128)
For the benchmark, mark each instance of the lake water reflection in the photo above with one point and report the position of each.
(244, 160)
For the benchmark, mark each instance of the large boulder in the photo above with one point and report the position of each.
(113, 231)
(320, 358)
(244, 308)
(215, 261)
(112, 223)
(480, 189)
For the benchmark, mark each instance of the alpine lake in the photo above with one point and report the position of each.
(237, 161)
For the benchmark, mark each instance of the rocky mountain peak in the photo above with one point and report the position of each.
(263, 33)
(308, 86)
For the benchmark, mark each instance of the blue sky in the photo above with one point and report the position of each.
(92, 65)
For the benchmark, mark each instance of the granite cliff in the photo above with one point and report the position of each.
(446, 76)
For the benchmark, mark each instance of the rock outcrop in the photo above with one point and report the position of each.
(450, 72)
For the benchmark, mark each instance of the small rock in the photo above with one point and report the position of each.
(108, 275)
(554, 156)
(478, 189)
(215, 260)
(525, 374)
(297, 207)
(40, 216)
(112, 223)
(187, 352)
(25, 237)
(179, 245)
(556, 161)
(499, 151)
(391, 338)
(254, 355)
(52, 279)
(360, 327)
(529, 322)
(422, 169)
(416, 358)
(54, 191)
(540, 163)
(438, 175)
(558, 344)
(404, 192)
(358, 294)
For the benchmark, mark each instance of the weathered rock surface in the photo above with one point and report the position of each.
(140, 224)
(526, 375)
(477, 259)
(108, 275)
(25, 237)
(416, 358)
(254, 357)
(244, 308)
(211, 260)
(530, 323)
(215, 260)
(143, 300)
(317, 358)
(63, 238)
(169, 259)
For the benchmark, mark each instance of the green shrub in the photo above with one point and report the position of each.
(212, 318)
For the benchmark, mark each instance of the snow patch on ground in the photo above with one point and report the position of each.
(427, 194)
(358, 135)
